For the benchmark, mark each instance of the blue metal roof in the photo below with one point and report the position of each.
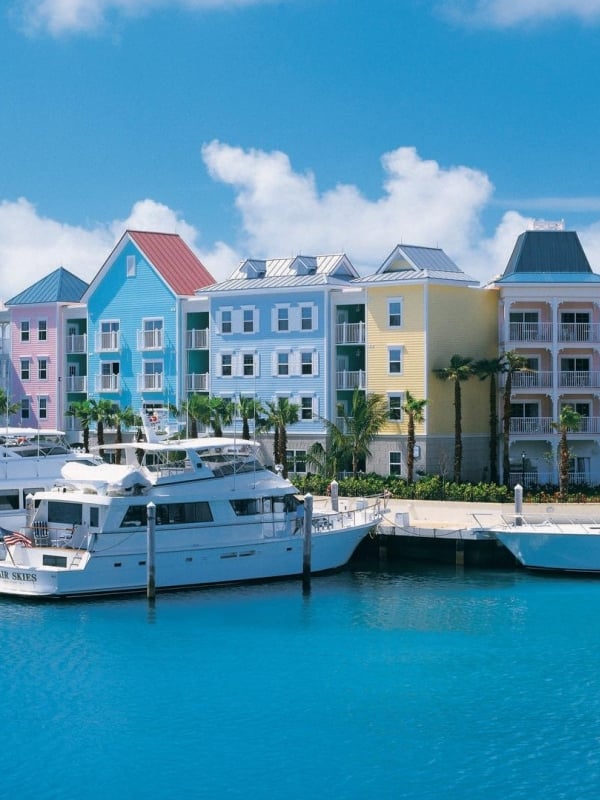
(543, 252)
(60, 286)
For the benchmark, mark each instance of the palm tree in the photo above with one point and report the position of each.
(460, 369)
(103, 414)
(280, 414)
(414, 410)
(512, 362)
(351, 442)
(83, 411)
(124, 418)
(249, 408)
(569, 421)
(6, 407)
(490, 368)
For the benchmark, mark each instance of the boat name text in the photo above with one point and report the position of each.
(9, 575)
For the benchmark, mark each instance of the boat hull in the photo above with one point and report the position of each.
(566, 551)
(102, 572)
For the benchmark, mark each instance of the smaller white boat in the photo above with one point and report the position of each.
(551, 543)
(31, 459)
(220, 516)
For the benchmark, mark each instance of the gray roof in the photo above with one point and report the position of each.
(412, 263)
(548, 257)
(60, 286)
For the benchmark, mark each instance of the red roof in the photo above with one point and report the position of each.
(171, 256)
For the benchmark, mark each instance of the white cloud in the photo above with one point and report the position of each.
(59, 17)
(507, 13)
(31, 246)
(283, 213)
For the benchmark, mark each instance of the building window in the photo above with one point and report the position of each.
(152, 378)
(306, 318)
(226, 324)
(306, 408)
(108, 380)
(248, 320)
(25, 408)
(42, 369)
(395, 360)
(226, 365)
(283, 318)
(43, 407)
(306, 363)
(296, 460)
(248, 364)
(395, 313)
(25, 369)
(395, 407)
(395, 462)
(42, 330)
(283, 363)
(109, 335)
(130, 266)
(24, 330)
(152, 334)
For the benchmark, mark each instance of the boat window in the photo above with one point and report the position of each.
(94, 516)
(54, 561)
(135, 517)
(183, 513)
(65, 513)
(9, 499)
(244, 508)
(31, 491)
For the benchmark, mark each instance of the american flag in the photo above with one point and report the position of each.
(17, 538)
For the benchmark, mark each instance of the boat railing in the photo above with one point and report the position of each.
(42, 534)
(549, 520)
(363, 513)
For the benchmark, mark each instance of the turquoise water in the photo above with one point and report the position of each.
(414, 683)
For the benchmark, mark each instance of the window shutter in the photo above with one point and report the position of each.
(256, 365)
(315, 362)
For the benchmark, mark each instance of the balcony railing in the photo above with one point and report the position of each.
(196, 339)
(531, 425)
(531, 380)
(350, 333)
(533, 478)
(76, 383)
(196, 382)
(107, 383)
(350, 380)
(108, 341)
(576, 379)
(77, 343)
(150, 340)
(150, 382)
(545, 331)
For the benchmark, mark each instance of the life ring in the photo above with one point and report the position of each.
(153, 418)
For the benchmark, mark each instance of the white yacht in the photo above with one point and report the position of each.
(31, 459)
(218, 515)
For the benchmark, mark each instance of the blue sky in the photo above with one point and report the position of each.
(266, 128)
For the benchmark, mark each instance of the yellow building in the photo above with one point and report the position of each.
(421, 309)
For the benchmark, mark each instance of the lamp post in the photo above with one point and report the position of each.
(523, 469)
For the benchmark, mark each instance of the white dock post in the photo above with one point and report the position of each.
(151, 552)
(518, 504)
(306, 555)
(334, 487)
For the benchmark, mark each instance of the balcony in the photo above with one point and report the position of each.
(579, 332)
(150, 382)
(350, 333)
(534, 332)
(76, 383)
(150, 340)
(525, 426)
(108, 342)
(531, 380)
(107, 383)
(578, 379)
(196, 382)
(350, 380)
(76, 343)
(196, 339)
(530, 332)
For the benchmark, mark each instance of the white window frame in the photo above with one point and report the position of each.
(396, 462)
(109, 335)
(314, 363)
(277, 320)
(230, 366)
(25, 369)
(225, 322)
(25, 408)
(42, 332)
(43, 406)
(314, 407)
(42, 360)
(392, 349)
(25, 330)
(396, 396)
(302, 308)
(400, 313)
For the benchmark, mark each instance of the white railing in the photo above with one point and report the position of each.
(546, 331)
(77, 343)
(530, 332)
(350, 333)
(529, 380)
(579, 378)
(150, 340)
(76, 383)
(529, 425)
(542, 478)
(107, 383)
(579, 332)
(196, 382)
(350, 380)
(108, 341)
(150, 382)
(196, 339)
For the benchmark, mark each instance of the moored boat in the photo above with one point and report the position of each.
(220, 516)
(557, 543)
